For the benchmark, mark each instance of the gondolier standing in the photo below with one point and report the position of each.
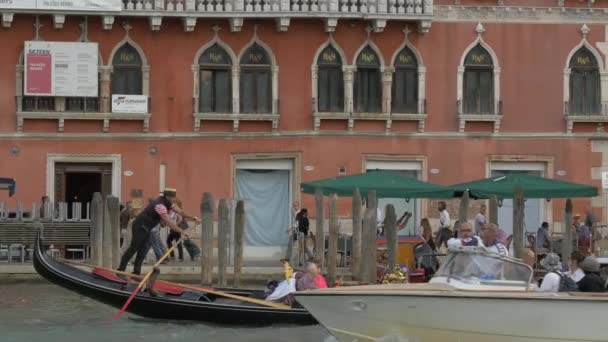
(149, 218)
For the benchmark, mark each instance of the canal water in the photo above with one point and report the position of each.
(44, 312)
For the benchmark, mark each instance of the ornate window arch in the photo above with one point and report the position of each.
(478, 83)
(130, 72)
(328, 78)
(258, 78)
(585, 84)
(368, 93)
(214, 70)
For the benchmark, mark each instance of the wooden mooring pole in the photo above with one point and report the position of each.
(97, 230)
(207, 239)
(368, 241)
(239, 231)
(222, 243)
(390, 231)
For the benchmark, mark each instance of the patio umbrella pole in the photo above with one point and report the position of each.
(518, 222)
(319, 231)
(357, 221)
(567, 242)
(493, 209)
(463, 212)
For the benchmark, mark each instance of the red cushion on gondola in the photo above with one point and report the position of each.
(167, 288)
(108, 275)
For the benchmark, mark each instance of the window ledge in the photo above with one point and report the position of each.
(463, 118)
(584, 118)
(389, 118)
(62, 116)
(235, 118)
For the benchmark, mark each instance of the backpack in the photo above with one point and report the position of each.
(566, 284)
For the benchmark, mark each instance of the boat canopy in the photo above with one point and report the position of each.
(476, 268)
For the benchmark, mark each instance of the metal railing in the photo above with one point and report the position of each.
(414, 7)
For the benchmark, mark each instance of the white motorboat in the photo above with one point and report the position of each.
(475, 296)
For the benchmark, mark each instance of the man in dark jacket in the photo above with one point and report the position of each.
(591, 282)
(157, 211)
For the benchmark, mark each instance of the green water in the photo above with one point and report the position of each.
(44, 312)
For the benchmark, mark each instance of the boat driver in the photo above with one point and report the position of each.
(467, 237)
(157, 211)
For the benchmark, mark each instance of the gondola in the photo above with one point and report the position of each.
(177, 305)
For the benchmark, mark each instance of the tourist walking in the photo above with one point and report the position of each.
(149, 218)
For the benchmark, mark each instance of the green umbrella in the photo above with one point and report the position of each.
(532, 186)
(388, 184)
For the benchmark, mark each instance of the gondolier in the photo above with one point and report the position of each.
(149, 218)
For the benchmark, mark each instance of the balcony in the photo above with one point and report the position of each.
(388, 117)
(573, 117)
(378, 12)
(495, 117)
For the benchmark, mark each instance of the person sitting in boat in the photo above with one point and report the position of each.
(592, 281)
(489, 237)
(576, 272)
(466, 239)
(312, 279)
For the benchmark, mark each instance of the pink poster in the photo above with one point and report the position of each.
(39, 74)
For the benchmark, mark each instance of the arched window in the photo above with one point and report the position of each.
(330, 81)
(405, 83)
(215, 90)
(256, 80)
(584, 83)
(479, 82)
(127, 71)
(368, 87)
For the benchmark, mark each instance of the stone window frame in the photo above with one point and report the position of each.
(145, 67)
(495, 117)
(106, 78)
(318, 116)
(385, 76)
(421, 115)
(198, 116)
(600, 118)
(236, 116)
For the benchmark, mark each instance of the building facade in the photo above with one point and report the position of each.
(248, 98)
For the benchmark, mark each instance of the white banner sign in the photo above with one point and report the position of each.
(17, 4)
(80, 5)
(605, 180)
(63, 5)
(61, 69)
(129, 104)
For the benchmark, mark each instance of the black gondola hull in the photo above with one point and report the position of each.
(167, 307)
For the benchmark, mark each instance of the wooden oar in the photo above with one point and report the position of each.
(143, 281)
(193, 288)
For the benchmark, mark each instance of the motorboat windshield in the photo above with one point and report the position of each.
(476, 268)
